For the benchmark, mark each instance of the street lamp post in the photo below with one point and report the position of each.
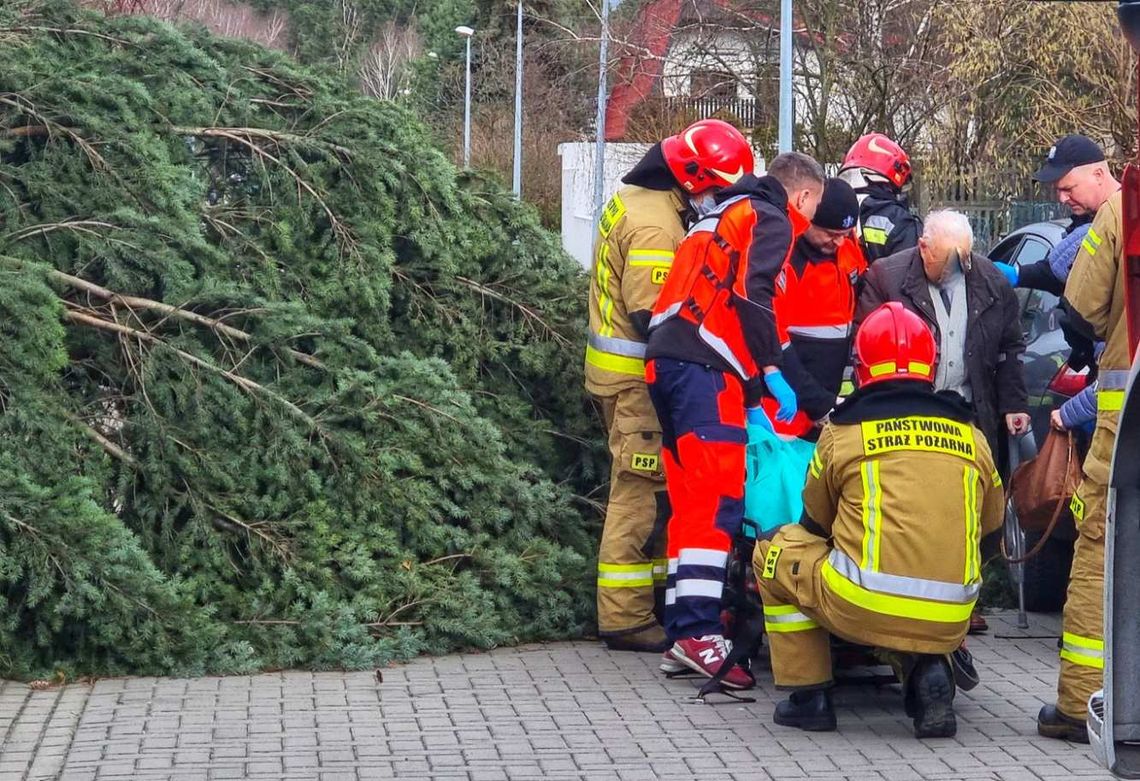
(516, 180)
(600, 138)
(467, 32)
(786, 113)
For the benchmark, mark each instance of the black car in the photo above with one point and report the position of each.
(1050, 383)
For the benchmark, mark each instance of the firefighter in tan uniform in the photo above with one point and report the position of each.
(1094, 300)
(639, 231)
(900, 490)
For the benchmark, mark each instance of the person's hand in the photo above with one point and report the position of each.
(758, 417)
(1011, 272)
(1017, 422)
(783, 393)
(1055, 420)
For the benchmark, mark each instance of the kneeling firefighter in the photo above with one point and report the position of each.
(901, 489)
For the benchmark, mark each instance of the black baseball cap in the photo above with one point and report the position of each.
(838, 208)
(1065, 155)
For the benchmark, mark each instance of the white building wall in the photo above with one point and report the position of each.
(692, 50)
(696, 50)
(578, 226)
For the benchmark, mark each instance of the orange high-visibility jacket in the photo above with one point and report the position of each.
(815, 307)
(716, 306)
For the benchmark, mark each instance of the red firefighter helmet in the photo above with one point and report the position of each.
(894, 344)
(708, 153)
(880, 154)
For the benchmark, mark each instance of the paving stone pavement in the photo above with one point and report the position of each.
(558, 711)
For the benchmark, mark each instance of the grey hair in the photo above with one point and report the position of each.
(948, 224)
(795, 171)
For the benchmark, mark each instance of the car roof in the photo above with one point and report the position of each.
(1051, 231)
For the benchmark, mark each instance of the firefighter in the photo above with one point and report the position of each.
(900, 491)
(639, 231)
(815, 306)
(712, 337)
(1094, 299)
(880, 172)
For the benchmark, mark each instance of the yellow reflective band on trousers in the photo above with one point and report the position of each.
(615, 363)
(1110, 400)
(625, 575)
(891, 605)
(973, 523)
(660, 571)
(874, 235)
(1084, 651)
(786, 618)
(872, 516)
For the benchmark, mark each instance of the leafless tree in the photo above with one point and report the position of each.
(351, 23)
(224, 17)
(385, 72)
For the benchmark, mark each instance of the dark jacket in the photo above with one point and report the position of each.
(994, 342)
(887, 225)
(762, 260)
(1040, 275)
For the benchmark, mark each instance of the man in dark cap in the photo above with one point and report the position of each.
(1077, 168)
(815, 304)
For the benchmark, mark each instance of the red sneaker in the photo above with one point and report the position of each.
(705, 655)
(671, 665)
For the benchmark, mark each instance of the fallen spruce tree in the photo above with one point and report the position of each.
(278, 385)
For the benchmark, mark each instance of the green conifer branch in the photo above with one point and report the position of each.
(136, 302)
(84, 318)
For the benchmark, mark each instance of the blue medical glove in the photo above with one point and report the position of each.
(785, 396)
(758, 417)
(1011, 272)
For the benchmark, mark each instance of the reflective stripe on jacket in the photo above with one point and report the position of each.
(638, 234)
(906, 501)
(718, 296)
(815, 308)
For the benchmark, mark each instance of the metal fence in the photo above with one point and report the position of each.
(746, 113)
(992, 221)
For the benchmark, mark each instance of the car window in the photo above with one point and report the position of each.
(1031, 251)
(1037, 313)
(1004, 251)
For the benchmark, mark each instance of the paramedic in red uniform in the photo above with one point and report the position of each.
(815, 306)
(712, 343)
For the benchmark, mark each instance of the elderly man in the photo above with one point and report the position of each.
(973, 312)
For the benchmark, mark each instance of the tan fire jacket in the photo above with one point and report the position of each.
(637, 235)
(906, 501)
(1095, 292)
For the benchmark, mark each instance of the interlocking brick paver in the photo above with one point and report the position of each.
(559, 711)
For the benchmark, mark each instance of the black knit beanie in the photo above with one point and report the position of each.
(838, 209)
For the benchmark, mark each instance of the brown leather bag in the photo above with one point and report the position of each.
(1041, 488)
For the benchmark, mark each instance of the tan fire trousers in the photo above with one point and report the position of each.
(631, 563)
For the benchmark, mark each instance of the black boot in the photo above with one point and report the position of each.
(930, 698)
(808, 710)
(1053, 724)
